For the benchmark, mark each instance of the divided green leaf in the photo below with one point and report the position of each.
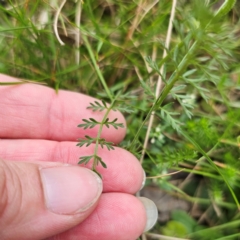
(85, 159)
(91, 123)
(113, 123)
(97, 106)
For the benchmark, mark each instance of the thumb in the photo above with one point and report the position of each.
(39, 200)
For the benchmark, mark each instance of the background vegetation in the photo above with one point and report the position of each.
(109, 47)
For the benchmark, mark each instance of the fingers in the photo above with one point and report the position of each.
(117, 216)
(38, 201)
(123, 174)
(34, 111)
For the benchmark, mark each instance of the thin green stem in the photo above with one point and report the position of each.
(95, 162)
(203, 173)
(99, 73)
(11, 83)
(204, 201)
(18, 83)
(167, 88)
(229, 237)
(14, 29)
(212, 164)
(228, 225)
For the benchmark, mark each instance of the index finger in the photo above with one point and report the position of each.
(32, 111)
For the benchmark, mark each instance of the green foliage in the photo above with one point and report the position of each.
(91, 123)
(89, 140)
(196, 127)
(174, 228)
(96, 106)
(168, 117)
(225, 8)
(181, 224)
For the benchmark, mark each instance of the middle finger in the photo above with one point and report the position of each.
(123, 173)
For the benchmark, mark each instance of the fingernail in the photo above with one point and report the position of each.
(70, 189)
(144, 180)
(151, 211)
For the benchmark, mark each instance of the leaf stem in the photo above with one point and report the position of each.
(95, 161)
(97, 67)
(167, 88)
(159, 82)
(228, 225)
(212, 164)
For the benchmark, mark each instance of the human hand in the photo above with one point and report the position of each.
(43, 193)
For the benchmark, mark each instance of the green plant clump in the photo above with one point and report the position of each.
(172, 67)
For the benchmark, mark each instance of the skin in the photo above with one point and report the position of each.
(40, 126)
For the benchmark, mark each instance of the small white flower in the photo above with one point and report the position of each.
(153, 140)
(190, 99)
(160, 137)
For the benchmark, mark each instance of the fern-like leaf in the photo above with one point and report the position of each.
(103, 143)
(87, 141)
(113, 123)
(91, 123)
(85, 159)
(97, 106)
(168, 117)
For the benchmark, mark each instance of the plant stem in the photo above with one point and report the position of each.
(167, 88)
(97, 68)
(228, 225)
(77, 31)
(159, 82)
(95, 162)
(212, 164)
